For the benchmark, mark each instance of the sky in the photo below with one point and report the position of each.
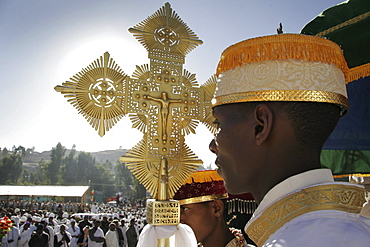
(45, 42)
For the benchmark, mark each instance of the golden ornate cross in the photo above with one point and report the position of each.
(163, 101)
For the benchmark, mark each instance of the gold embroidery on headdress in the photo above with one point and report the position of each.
(203, 198)
(283, 46)
(285, 95)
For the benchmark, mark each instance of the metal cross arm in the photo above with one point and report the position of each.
(163, 100)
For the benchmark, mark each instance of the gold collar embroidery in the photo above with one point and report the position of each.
(348, 198)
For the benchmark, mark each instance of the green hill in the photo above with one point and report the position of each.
(31, 160)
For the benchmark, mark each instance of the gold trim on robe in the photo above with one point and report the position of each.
(339, 197)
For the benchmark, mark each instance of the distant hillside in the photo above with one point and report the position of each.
(30, 161)
(111, 155)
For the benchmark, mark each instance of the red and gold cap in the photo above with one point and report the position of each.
(283, 67)
(202, 186)
(207, 185)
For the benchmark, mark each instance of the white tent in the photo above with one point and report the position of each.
(47, 191)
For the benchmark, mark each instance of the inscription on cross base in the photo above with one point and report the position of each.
(162, 99)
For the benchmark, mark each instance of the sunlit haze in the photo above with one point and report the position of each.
(45, 42)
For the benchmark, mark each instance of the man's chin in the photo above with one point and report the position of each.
(219, 171)
(232, 189)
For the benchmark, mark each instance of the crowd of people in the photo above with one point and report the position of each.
(50, 206)
(69, 207)
(51, 224)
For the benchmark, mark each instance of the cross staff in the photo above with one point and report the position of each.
(162, 100)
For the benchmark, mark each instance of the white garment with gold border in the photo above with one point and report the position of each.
(310, 209)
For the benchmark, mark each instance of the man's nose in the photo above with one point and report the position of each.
(182, 218)
(212, 146)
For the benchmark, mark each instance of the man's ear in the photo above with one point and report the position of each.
(264, 119)
(218, 207)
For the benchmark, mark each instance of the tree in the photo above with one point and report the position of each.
(124, 177)
(70, 170)
(25, 177)
(20, 150)
(107, 164)
(102, 179)
(42, 176)
(85, 165)
(139, 190)
(29, 151)
(11, 168)
(53, 168)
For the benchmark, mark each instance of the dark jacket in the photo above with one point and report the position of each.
(39, 240)
(121, 237)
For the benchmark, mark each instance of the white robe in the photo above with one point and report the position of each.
(25, 237)
(124, 229)
(98, 233)
(13, 234)
(94, 209)
(333, 224)
(74, 234)
(59, 238)
(111, 239)
(51, 235)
